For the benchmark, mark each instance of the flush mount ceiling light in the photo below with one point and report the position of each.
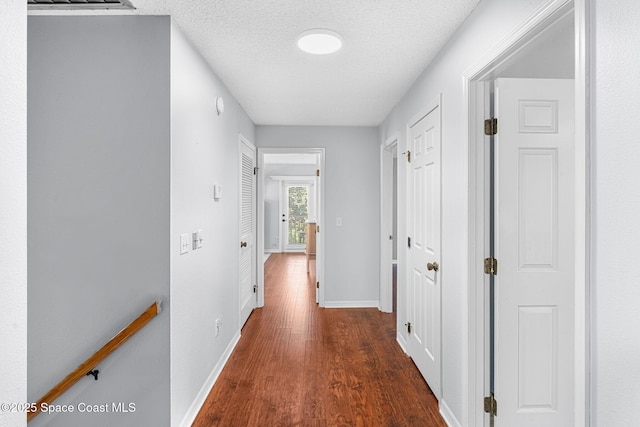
(320, 41)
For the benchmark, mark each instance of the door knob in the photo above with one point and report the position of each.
(243, 244)
(433, 266)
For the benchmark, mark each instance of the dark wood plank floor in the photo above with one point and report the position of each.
(300, 365)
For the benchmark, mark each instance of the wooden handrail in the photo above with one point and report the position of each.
(88, 365)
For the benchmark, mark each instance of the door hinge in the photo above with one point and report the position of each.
(255, 170)
(408, 325)
(255, 289)
(317, 228)
(490, 405)
(409, 242)
(491, 126)
(317, 172)
(317, 285)
(491, 266)
(408, 156)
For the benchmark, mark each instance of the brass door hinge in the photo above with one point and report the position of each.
(317, 172)
(490, 405)
(491, 266)
(408, 325)
(317, 228)
(491, 126)
(317, 285)
(408, 156)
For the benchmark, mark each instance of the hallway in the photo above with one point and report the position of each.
(300, 365)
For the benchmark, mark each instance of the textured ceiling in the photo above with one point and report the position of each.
(251, 45)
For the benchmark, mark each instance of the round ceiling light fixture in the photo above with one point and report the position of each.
(320, 41)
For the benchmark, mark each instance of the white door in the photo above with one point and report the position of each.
(248, 255)
(534, 285)
(295, 215)
(424, 278)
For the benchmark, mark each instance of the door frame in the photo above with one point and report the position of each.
(386, 221)
(475, 101)
(320, 190)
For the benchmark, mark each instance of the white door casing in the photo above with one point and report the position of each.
(534, 205)
(424, 230)
(386, 222)
(319, 211)
(248, 254)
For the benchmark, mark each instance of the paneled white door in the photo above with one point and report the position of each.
(424, 278)
(534, 212)
(248, 255)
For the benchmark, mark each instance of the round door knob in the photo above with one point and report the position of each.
(243, 244)
(433, 266)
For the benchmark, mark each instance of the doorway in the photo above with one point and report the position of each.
(388, 224)
(290, 206)
(549, 46)
(296, 211)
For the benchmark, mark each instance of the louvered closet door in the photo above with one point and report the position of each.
(247, 245)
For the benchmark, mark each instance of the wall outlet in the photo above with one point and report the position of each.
(219, 324)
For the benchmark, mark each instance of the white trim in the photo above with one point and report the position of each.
(447, 414)
(402, 342)
(351, 304)
(202, 395)
(473, 322)
(386, 221)
(582, 196)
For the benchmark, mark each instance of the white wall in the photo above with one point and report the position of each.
(204, 282)
(352, 180)
(98, 213)
(488, 24)
(616, 206)
(13, 208)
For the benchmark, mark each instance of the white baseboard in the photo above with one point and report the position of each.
(402, 342)
(193, 410)
(447, 415)
(351, 304)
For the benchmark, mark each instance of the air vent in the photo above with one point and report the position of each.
(79, 4)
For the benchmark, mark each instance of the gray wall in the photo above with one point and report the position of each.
(13, 208)
(352, 177)
(98, 218)
(204, 282)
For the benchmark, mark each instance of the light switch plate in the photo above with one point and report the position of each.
(185, 243)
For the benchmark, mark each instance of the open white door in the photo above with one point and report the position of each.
(423, 226)
(534, 232)
(248, 256)
(388, 211)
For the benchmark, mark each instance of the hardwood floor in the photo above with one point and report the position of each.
(300, 365)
